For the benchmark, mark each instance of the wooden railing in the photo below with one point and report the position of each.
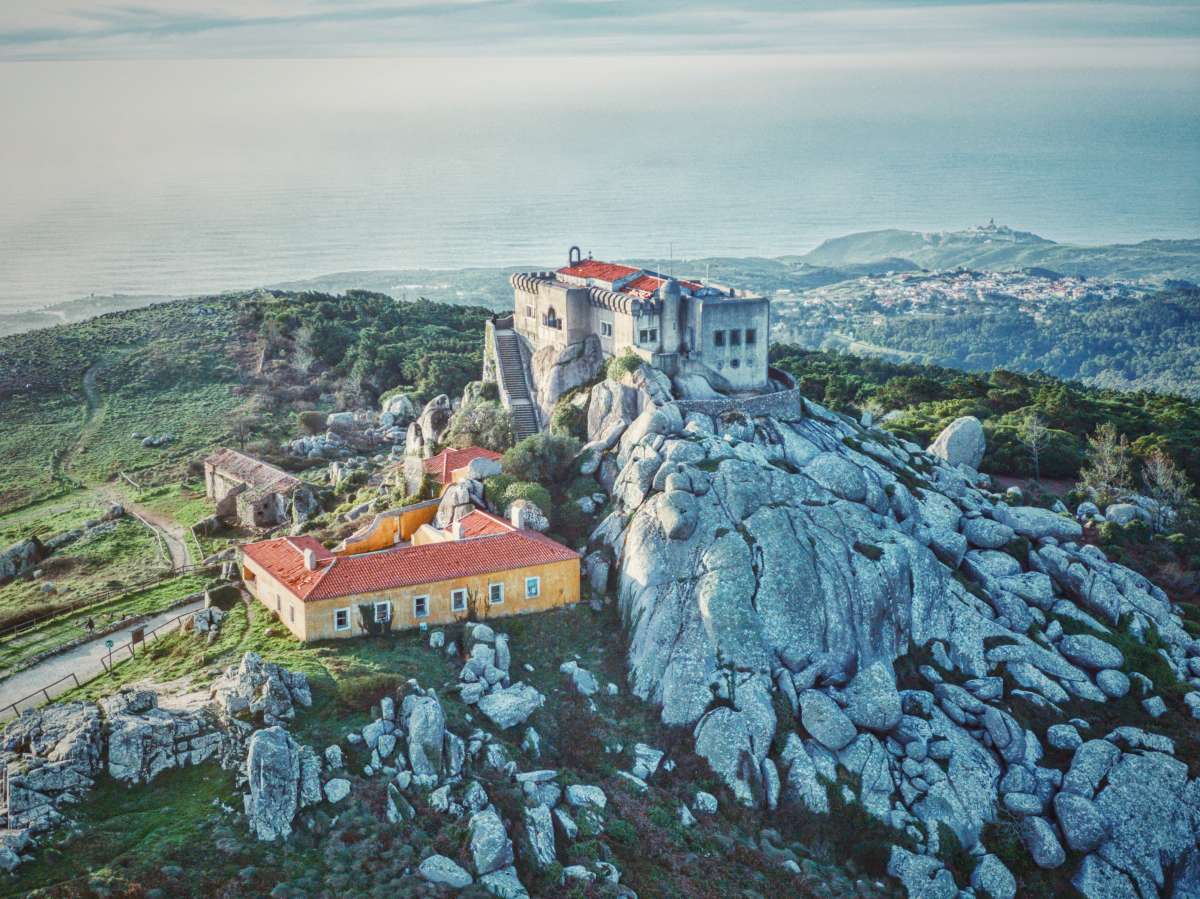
(12, 630)
(106, 667)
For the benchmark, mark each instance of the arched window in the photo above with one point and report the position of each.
(551, 319)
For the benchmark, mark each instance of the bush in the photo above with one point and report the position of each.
(543, 458)
(312, 422)
(569, 420)
(534, 493)
(625, 364)
(482, 423)
(490, 391)
(358, 692)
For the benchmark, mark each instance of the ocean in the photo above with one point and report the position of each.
(165, 177)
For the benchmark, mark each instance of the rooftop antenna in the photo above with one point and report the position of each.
(671, 266)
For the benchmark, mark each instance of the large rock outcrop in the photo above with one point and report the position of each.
(557, 370)
(961, 442)
(283, 777)
(797, 562)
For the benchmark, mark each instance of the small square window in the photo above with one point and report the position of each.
(718, 338)
(383, 611)
(654, 335)
(495, 594)
(341, 619)
(458, 600)
(735, 363)
(643, 336)
(420, 606)
(751, 337)
(533, 587)
(735, 337)
(606, 329)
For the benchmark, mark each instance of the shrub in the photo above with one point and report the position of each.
(312, 422)
(625, 364)
(358, 692)
(483, 423)
(534, 493)
(569, 420)
(544, 458)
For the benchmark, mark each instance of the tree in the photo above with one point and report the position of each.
(1168, 486)
(1033, 434)
(481, 423)
(542, 458)
(242, 426)
(1108, 473)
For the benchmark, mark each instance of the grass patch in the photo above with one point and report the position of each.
(17, 652)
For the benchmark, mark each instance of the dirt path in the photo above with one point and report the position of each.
(93, 415)
(174, 535)
(85, 661)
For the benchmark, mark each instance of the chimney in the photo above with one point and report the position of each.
(310, 559)
(456, 530)
(515, 516)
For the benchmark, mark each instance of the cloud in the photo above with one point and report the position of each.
(1152, 32)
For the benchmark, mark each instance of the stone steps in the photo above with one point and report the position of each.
(512, 375)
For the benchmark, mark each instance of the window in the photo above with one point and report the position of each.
(529, 312)
(533, 587)
(420, 606)
(458, 600)
(751, 337)
(495, 594)
(735, 363)
(292, 614)
(606, 329)
(643, 336)
(718, 338)
(654, 335)
(341, 619)
(383, 611)
(735, 337)
(278, 603)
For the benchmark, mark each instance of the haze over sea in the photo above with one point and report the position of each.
(187, 176)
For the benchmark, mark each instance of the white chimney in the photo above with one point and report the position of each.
(310, 559)
(456, 530)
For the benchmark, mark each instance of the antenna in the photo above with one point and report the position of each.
(671, 251)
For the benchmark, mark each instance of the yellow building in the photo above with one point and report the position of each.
(483, 563)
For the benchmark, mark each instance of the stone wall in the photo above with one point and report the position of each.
(786, 405)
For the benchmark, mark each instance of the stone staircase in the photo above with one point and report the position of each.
(512, 376)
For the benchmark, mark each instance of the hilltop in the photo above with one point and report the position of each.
(999, 248)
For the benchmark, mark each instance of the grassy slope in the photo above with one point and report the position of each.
(17, 651)
(160, 369)
(93, 566)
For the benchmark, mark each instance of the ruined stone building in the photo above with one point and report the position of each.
(251, 493)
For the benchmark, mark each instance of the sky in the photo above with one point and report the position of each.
(1034, 33)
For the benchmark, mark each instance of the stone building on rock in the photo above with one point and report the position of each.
(711, 340)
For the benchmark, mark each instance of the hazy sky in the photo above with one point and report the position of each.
(1149, 33)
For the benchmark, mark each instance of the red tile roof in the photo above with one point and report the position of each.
(601, 271)
(448, 461)
(646, 284)
(283, 557)
(402, 567)
(252, 472)
(480, 523)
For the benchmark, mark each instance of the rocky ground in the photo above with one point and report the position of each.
(824, 604)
